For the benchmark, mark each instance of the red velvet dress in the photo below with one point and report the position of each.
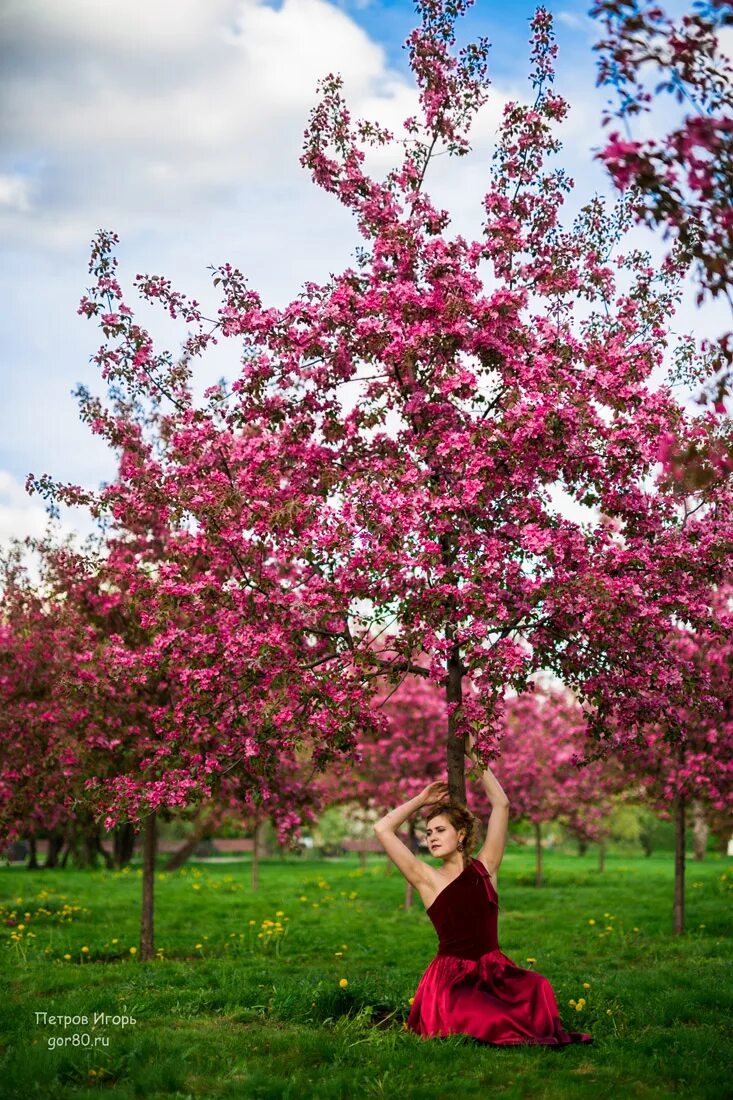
(473, 988)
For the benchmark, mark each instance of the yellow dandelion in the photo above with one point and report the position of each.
(586, 985)
(115, 941)
(636, 930)
(280, 913)
(85, 950)
(531, 960)
(591, 921)
(609, 1012)
(572, 1002)
(198, 946)
(67, 956)
(411, 1001)
(343, 983)
(253, 922)
(133, 951)
(337, 954)
(578, 1008)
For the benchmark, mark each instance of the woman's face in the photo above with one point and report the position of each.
(442, 838)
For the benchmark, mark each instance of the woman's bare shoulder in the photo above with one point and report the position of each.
(433, 884)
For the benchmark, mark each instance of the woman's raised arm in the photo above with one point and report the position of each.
(492, 849)
(404, 860)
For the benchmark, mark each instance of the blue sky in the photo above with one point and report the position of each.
(178, 124)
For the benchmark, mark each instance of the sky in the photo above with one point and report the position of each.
(178, 124)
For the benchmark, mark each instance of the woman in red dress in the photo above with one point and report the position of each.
(471, 987)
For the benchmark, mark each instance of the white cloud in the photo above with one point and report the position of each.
(15, 192)
(24, 516)
(570, 19)
(20, 515)
(152, 109)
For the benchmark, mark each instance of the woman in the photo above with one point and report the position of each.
(471, 987)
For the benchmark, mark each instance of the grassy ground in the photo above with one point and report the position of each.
(237, 1008)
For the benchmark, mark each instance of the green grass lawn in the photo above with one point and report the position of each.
(230, 1009)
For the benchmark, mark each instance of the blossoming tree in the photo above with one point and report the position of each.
(680, 180)
(320, 543)
(543, 742)
(697, 768)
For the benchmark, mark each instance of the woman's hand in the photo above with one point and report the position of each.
(434, 792)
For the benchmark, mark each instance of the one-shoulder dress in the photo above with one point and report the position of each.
(471, 987)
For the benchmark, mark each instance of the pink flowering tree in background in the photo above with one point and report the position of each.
(38, 736)
(384, 476)
(99, 695)
(681, 178)
(600, 787)
(544, 738)
(697, 769)
(293, 790)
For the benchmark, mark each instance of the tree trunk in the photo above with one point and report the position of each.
(179, 857)
(645, 839)
(456, 745)
(108, 858)
(90, 846)
(363, 857)
(601, 855)
(256, 852)
(699, 830)
(582, 845)
(123, 844)
(32, 864)
(55, 844)
(722, 839)
(678, 912)
(82, 842)
(147, 912)
(538, 853)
